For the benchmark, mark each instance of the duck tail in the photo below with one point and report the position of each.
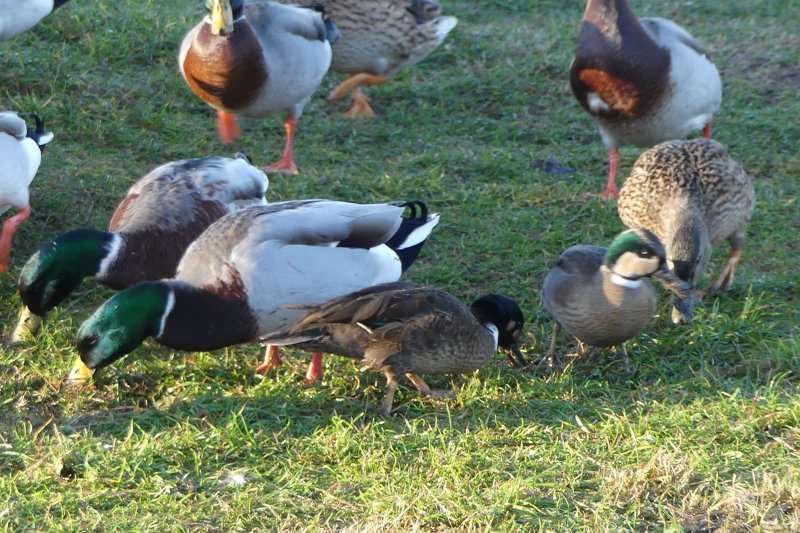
(413, 232)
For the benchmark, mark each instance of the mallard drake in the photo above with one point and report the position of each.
(378, 38)
(160, 216)
(691, 194)
(403, 329)
(602, 296)
(235, 282)
(643, 81)
(254, 59)
(21, 154)
(18, 17)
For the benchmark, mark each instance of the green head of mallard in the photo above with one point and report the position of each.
(120, 325)
(505, 314)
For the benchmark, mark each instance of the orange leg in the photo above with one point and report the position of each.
(613, 164)
(8, 233)
(314, 372)
(228, 127)
(725, 280)
(707, 129)
(272, 359)
(285, 164)
(361, 107)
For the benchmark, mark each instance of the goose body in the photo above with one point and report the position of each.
(644, 81)
(160, 216)
(691, 194)
(256, 58)
(403, 329)
(378, 38)
(239, 280)
(603, 297)
(19, 16)
(21, 155)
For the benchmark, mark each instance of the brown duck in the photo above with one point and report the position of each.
(691, 194)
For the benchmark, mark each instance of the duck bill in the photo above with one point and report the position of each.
(80, 373)
(515, 356)
(684, 296)
(28, 325)
(221, 17)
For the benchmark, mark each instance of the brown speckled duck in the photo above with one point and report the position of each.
(644, 81)
(603, 297)
(378, 38)
(691, 194)
(162, 213)
(403, 329)
(256, 58)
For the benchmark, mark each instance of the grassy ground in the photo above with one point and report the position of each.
(705, 436)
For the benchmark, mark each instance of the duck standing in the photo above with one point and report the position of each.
(644, 81)
(603, 297)
(692, 194)
(403, 329)
(21, 154)
(256, 58)
(241, 279)
(160, 216)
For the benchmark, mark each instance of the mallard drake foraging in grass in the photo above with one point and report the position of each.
(235, 282)
(254, 59)
(602, 296)
(378, 38)
(19, 16)
(160, 216)
(691, 194)
(643, 81)
(402, 329)
(20, 155)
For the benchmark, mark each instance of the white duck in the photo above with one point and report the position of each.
(19, 16)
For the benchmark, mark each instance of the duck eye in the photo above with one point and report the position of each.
(645, 253)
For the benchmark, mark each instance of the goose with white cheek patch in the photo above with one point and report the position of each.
(603, 297)
(254, 59)
(403, 329)
(162, 213)
(237, 282)
(644, 81)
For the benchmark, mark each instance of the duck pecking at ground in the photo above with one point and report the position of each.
(256, 58)
(19, 16)
(378, 38)
(644, 81)
(242, 278)
(403, 329)
(151, 228)
(603, 297)
(692, 194)
(21, 154)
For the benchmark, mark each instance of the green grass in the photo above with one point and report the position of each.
(705, 436)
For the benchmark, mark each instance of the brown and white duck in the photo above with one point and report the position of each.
(403, 329)
(692, 194)
(256, 58)
(643, 81)
(159, 217)
(603, 297)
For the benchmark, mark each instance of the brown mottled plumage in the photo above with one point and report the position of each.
(691, 194)
(403, 329)
(379, 37)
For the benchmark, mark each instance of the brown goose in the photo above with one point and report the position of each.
(403, 329)
(644, 81)
(602, 296)
(691, 194)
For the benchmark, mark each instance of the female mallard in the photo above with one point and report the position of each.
(402, 329)
(254, 59)
(644, 81)
(17, 17)
(151, 228)
(20, 154)
(241, 278)
(601, 296)
(378, 38)
(691, 194)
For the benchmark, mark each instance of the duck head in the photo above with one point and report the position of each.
(119, 326)
(505, 314)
